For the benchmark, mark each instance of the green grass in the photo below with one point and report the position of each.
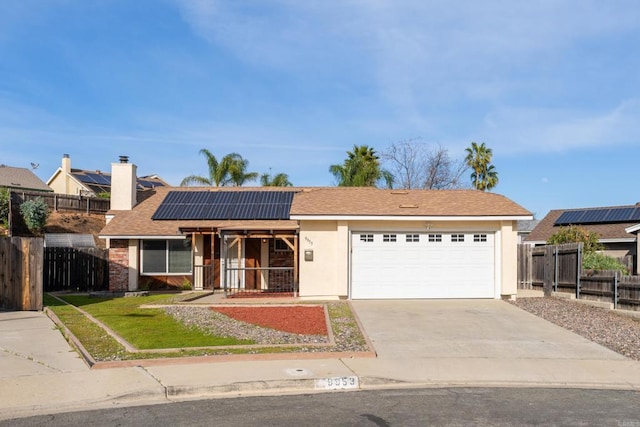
(151, 329)
(147, 328)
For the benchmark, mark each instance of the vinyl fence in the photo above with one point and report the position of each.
(21, 273)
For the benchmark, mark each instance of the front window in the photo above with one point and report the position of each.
(166, 256)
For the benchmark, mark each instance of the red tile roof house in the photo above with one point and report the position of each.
(617, 227)
(322, 243)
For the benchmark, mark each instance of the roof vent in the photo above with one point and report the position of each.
(400, 192)
(124, 159)
(409, 206)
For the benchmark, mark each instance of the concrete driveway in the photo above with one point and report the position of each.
(469, 328)
(481, 342)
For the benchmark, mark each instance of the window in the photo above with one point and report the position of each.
(457, 237)
(388, 237)
(435, 237)
(479, 237)
(280, 245)
(366, 238)
(413, 237)
(166, 256)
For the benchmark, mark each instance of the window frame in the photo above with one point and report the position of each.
(167, 258)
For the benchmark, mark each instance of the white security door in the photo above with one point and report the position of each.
(394, 265)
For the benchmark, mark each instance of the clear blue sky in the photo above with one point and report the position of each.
(553, 87)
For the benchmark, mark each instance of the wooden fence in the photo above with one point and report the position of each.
(76, 269)
(63, 202)
(21, 273)
(559, 269)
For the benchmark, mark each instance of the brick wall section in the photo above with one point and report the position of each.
(119, 265)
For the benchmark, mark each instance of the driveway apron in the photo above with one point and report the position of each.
(423, 329)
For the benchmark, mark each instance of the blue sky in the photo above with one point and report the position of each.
(551, 86)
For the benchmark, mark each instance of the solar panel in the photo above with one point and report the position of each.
(232, 205)
(599, 216)
(99, 179)
(619, 214)
(569, 217)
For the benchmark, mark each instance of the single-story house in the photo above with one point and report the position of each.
(92, 183)
(616, 226)
(21, 179)
(322, 243)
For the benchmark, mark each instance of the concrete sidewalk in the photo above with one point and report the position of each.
(419, 343)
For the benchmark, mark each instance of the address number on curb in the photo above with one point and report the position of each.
(336, 383)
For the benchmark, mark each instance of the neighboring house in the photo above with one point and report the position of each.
(524, 228)
(21, 179)
(617, 227)
(340, 242)
(92, 183)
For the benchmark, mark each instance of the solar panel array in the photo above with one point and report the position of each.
(149, 184)
(599, 216)
(93, 178)
(238, 205)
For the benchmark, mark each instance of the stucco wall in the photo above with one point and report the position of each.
(328, 274)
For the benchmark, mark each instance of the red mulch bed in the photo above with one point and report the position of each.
(295, 320)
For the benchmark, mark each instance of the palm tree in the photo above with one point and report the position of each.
(361, 168)
(238, 170)
(278, 180)
(483, 175)
(230, 170)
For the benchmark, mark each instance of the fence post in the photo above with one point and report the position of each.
(555, 268)
(548, 271)
(578, 270)
(615, 290)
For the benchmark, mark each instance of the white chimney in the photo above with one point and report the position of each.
(66, 171)
(123, 185)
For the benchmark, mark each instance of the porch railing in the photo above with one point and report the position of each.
(252, 281)
(248, 281)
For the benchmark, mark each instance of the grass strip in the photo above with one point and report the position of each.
(148, 328)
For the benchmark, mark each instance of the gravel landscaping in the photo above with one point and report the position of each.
(615, 331)
(346, 333)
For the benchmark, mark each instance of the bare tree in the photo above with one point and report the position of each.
(415, 164)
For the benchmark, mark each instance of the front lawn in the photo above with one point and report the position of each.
(155, 333)
(147, 328)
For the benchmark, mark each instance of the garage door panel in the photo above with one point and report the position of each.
(419, 266)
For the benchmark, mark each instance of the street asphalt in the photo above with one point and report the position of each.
(426, 343)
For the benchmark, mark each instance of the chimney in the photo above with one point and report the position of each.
(66, 171)
(123, 185)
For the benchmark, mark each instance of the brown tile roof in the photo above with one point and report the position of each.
(21, 178)
(546, 228)
(320, 201)
(382, 202)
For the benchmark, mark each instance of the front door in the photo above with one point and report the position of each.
(252, 263)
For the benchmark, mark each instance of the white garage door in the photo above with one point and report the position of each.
(422, 265)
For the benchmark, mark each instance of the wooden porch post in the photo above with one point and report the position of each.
(296, 257)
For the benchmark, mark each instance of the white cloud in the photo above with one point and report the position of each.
(519, 130)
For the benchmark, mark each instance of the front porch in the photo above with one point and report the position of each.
(250, 263)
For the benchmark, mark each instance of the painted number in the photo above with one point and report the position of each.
(337, 383)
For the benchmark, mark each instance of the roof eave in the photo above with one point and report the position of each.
(410, 217)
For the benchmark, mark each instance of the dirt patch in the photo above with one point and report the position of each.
(80, 223)
(296, 320)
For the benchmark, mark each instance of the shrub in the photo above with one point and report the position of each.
(4, 206)
(575, 234)
(598, 261)
(35, 213)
